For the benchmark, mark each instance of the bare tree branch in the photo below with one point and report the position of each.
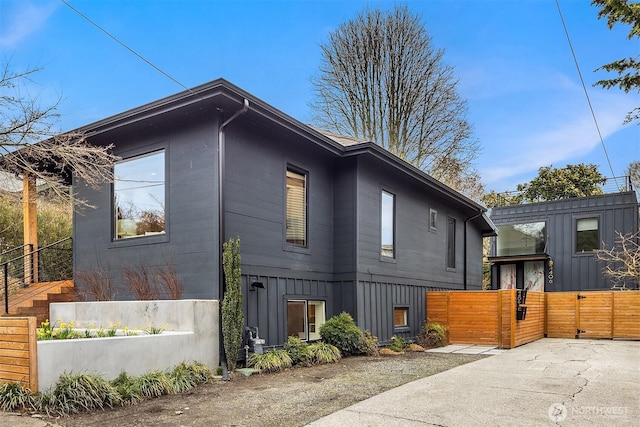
(622, 260)
(382, 80)
(29, 144)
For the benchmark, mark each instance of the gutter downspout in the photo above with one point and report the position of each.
(221, 227)
(471, 218)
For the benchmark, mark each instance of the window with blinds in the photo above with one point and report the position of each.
(587, 235)
(296, 227)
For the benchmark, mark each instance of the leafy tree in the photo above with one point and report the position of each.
(493, 199)
(623, 260)
(29, 143)
(628, 69)
(232, 314)
(560, 183)
(382, 80)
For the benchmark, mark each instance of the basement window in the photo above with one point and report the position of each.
(400, 317)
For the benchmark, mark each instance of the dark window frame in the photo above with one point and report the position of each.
(576, 239)
(306, 301)
(433, 220)
(407, 310)
(383, 256)
(287, 244)
(129, 155)
(450, 255)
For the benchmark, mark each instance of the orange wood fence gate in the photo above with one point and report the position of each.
(487, 317)
(593, 314)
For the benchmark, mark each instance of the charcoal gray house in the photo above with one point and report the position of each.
(548, 246)
(327, 224)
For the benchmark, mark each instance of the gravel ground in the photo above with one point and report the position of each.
(291, 398)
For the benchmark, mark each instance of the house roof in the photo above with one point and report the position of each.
(223, 96)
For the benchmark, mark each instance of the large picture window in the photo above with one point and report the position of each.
(296, 199)
(304, 319)
(387, 225)
(521, 239)
(139, 196)
(587, 234)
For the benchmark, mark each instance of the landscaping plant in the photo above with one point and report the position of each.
(298, 351)
(342, 332)
(368, 344)
(232, 314)
(15, 396)
(322, 352)
(182, 379)
(270, 361)
(128, 388)
(432, 334)
(398, 344)
(154, 384)
(82, 392)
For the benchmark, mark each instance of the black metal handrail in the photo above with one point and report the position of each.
(54, 263)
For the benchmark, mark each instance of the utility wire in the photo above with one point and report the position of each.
(124, 45)
(584, 88)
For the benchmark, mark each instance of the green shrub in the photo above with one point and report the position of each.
(182, 378)
(432, 334)
(201, 372)
(322, 352)
(298, 351)
(16, 396)
(398, 344)
(154, 384)
(83, 392)
(128, 388)
(232, 311)
(368, 344)
(270, 361)
(342, 332)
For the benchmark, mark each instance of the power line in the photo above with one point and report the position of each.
(124, 45)
(584, 88)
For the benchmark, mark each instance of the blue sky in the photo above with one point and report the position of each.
(512, 58)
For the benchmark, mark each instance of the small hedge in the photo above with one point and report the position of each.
(432, 335)
(342, 332)
(74, 393)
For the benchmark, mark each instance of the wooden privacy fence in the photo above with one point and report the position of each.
(593, 314)
(487, 317)
(18, 346)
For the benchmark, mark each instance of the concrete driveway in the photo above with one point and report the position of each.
(547, 382)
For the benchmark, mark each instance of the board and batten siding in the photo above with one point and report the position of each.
(420, 253)
(575, 271)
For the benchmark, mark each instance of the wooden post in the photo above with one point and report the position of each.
(512, 315)
(30, 220)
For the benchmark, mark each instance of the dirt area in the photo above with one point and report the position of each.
(291, 398)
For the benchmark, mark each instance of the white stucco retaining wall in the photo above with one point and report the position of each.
(191, 334)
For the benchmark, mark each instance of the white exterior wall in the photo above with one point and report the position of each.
(191, 334)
